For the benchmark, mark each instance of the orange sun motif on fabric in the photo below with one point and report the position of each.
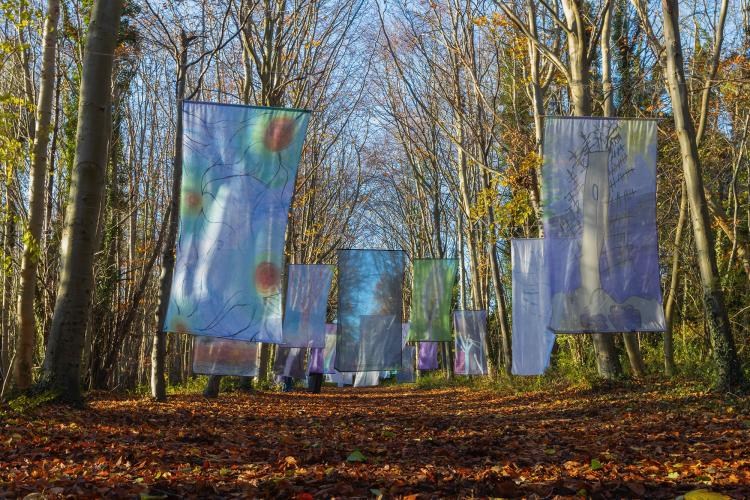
(193, 201)
(267, 278)
(279, 133)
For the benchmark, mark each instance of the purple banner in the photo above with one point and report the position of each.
(428, 356)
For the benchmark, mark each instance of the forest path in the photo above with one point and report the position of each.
(644, 441)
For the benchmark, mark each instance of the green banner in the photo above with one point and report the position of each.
(432, 290)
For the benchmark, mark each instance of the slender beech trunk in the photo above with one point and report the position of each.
(669, 364)
(728, 371)
(33, 234)
(9, 242)
(629, 338)
(158, 351)
(604, 41)
(537, 101)
(64, 347)
(505, 355)
(607, 362)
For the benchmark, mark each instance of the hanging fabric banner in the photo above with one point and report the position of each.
(289, 362)
(213, 356)
(370, 310)
(428, 356)
(329, 353)
(239, 169)
(432, 293)
(321, 359)
(599, 199)
(532, 339)
(306, 302)
(471, 332)
(315, 361)
(406, 373)
(366, 379)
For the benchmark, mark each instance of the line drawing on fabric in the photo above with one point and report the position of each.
(600, 227)
(238, 178)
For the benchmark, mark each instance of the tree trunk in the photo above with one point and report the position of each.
(609, 101)
(158, 352)
(63, 356)
(33, 234)
(669, 364)
(634, 354)
(607, 361)
(630, 339)
(9, 241)
(265, 356)
(505, 355)
(728, 371)
(212, 386)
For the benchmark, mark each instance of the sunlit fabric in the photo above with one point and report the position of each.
(366, 379)
(532, 339)
(289, 362)
(315, 361)
(341, 379)
(406, 373)
(369, 310)
(213, 356)
(238, 177)
(321, 359)
(432, 292)
(428, 356)
(471, 332)
(599, 198)
(306, 302)
(329, 353)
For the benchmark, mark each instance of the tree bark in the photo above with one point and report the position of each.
(63, 355)
(669, 364)
(158, 352)
(33, 233)
(607, 361)
(212, 386)
(629, 338)
(728, 371)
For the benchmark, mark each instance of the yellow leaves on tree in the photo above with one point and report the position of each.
(507, 196)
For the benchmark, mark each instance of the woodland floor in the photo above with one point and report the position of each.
(647, 441)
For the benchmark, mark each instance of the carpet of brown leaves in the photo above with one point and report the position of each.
(648, 442)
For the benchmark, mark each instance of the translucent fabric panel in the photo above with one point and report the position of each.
(407, 373)
(306, 302)
(532, 339)
(329, 353)
(366, 379)
(321, 360)
(213, 356)
(471, 332)
(432, 292)
(289, 362)
(239, 170)
(370, 310)
(428, 356)
(341, 379)
(315, 361)
(599, 198)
